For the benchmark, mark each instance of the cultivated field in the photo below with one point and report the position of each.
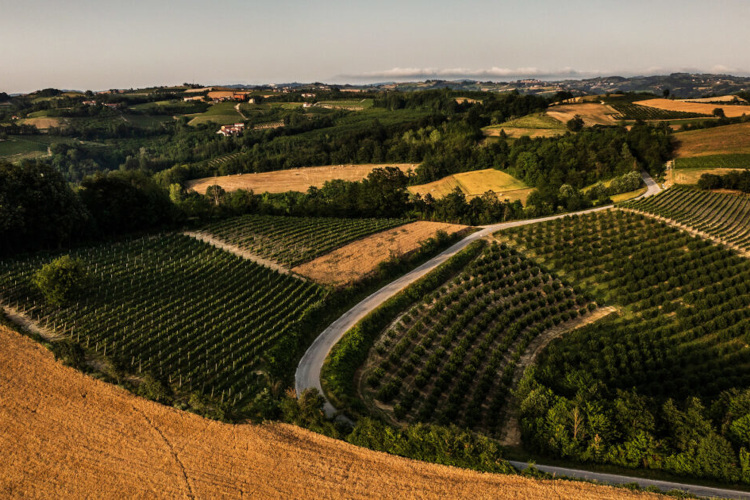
(592, 113)
(630, 111)
(714, 161)
(721, 215)
(536, 125)
(222, 113)
(721, 99)
(692, 175)
(730, 111)
(295, 179)
(477, 183)
(66, 434)
(452, 357)
(290, 241)
(43, 123)
(651, 270)
(356, 260)
(197, 316)
(724, 140)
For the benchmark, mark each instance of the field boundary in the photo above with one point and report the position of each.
(206, 238)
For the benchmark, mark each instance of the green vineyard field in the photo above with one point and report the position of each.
(722, 215)
(451, 358)
(630, 111)
(714, 161)
(199, 317)
(685, 322)
(292, 240)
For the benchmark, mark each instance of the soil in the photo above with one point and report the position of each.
(358, 259)
(67, 435)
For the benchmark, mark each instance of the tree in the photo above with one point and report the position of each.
(665, 93)
(719, 113)
(575, 124)
(61, 280)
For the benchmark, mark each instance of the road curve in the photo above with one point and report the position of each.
(702, 491)
(308, 370)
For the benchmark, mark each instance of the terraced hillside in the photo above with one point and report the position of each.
(722, 215)
(292, 240)
(198, 317)
(451, 358)
(686, 304)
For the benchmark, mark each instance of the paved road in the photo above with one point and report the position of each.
(308, 370)
(703, 491)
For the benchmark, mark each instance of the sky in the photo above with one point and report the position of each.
(102, 44)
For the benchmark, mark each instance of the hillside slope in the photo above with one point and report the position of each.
(67, 435)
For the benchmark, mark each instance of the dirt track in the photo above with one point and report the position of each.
(66, 435)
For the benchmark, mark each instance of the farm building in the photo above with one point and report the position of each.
(234, 129)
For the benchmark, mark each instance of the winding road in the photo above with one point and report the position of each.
(308, 370)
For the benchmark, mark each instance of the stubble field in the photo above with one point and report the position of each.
(68, 435)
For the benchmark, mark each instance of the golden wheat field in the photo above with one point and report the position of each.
(356, 260)
(476, 183)
(295, 179)
(592, 113)
(730, 111)
(67, 435)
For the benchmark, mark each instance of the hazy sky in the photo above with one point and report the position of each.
(86, 44)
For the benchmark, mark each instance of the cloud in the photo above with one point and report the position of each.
(493, 72)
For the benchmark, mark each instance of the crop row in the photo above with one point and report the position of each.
(722, 215)
(630, 111)
(293, 240)
(714, 161)
(684, 330)
(200, 317)
(452, 357)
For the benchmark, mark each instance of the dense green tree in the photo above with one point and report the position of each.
(61, 280)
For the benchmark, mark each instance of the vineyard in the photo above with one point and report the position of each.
(630, 111)
(684, 330)
(293, 240)
(723, 216)
(714, 161)
(199, 317)
(451, 357)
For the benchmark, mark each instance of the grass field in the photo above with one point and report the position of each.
(730, 111)
(20, 147)
(592, 113)
(477, 183)
(295, 179)
(723, 140)
(690, 176)
(353, 262)
(66, 433)
(723, 216)
(536, 125)
(222, 113)
(147, 304)
(290, 241)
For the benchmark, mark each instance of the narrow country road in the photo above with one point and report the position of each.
(308, 370)
(702, 491)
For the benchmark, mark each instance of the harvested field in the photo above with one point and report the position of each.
(477, 183)
(43, 123)
(536, 125)
(356, 260)
(67, 435)
(295, 179)
(730, 111)
(727, 139)
(721, 99)
(592, 113)
(692, 175)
